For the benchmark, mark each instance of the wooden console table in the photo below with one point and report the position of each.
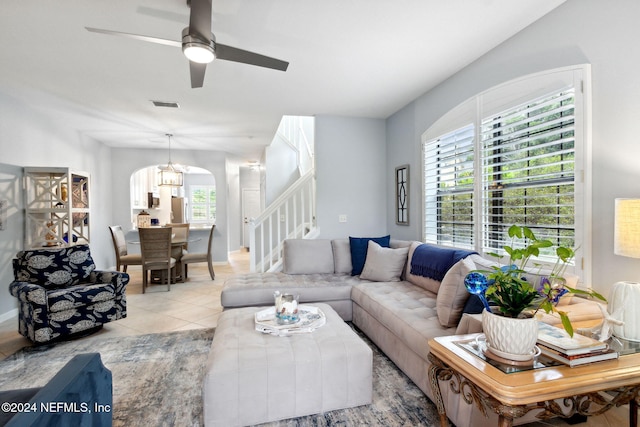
(513, 394)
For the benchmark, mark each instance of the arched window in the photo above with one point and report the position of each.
(515, 154)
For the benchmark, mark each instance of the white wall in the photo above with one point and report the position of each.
(350, 175)
(281, 168)
(580, 31)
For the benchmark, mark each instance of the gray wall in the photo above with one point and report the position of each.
(12, 231)
(351, 178)
(580, 31)
(30, 135)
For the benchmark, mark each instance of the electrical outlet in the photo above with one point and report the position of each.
(282, 218)
(342, 218)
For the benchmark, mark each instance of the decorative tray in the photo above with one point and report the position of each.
(311, 318)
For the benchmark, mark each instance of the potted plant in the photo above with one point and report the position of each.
(516, 297)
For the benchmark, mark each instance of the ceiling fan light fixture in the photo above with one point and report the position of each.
(196, 49)
(198, 53)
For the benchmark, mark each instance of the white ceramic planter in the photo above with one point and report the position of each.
(511, 336)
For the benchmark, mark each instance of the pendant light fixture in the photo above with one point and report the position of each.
(170, 175)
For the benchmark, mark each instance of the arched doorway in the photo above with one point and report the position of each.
(194, 202)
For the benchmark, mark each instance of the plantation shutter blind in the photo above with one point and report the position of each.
(528, 155)
(449, 174)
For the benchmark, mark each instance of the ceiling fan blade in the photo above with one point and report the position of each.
(234, 54)
(200, 19)
(136, 37)
(197, 73)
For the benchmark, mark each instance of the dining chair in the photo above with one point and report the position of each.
(123, 257)
(190, 258)
(155, 246)
(180, 234)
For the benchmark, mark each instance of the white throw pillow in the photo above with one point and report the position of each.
(307, 256)
(383, 264)
(452, 294)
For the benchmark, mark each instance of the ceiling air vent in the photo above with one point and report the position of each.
(166, 104)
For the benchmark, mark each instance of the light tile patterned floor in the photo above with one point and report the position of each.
(196, 304)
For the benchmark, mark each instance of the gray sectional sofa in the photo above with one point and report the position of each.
(397, 310)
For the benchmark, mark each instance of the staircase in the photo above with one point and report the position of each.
(292, 215)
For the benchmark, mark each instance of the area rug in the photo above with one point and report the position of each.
(157, 381)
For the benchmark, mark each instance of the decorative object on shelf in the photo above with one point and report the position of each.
(402, 195)
(624, 296)
(51, 234)
(516, 298)
(604, 330)
(170, 175)
(144, 219)
(476, 284)
(286, 307)
(57, 207)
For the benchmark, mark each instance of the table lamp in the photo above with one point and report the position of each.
(625, 296)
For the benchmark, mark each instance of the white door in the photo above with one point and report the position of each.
(250, 210)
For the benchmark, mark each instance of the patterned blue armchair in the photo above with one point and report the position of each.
(61, 292)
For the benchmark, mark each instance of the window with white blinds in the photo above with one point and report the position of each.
(449, 175)
(528, 155)
(515, 167)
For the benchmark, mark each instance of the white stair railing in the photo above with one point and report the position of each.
(290, 216)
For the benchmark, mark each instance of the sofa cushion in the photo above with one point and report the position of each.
(307, 256)
(341, 256)
(452, 294)
(427, 283)
(54, 268)
(359, 250)
(383, 264)
(243, 290)
(406, 310)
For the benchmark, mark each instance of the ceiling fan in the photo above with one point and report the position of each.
(200, 47)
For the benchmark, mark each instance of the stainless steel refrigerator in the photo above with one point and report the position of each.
(179, 210)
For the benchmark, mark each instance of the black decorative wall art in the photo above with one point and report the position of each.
(402, 195)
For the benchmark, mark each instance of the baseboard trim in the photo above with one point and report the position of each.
(9, 315)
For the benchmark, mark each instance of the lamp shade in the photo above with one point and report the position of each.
(626, 239)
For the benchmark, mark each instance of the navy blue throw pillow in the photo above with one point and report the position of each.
(359, 250)
(473, 305)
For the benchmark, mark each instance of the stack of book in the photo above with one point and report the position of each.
(556, 344)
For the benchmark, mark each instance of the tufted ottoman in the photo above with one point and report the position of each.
(252, 378)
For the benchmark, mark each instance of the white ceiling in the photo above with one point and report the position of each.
(363, 58)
